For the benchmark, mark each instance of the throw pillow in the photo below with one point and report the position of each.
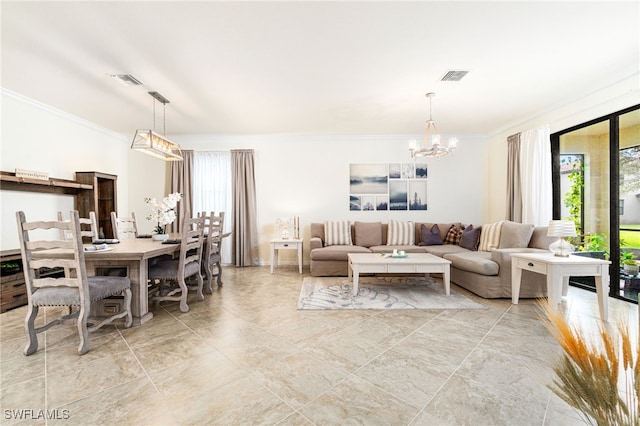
(470, 237)
(337, 233)
(368, 234)
(401, 233)
(515, 235)
(490, 236)
(453, 236)
(430, 237)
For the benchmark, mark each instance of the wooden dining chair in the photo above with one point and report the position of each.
(124, 227)
(71, 287)
(169, 276)
(213, 226)
(88, 226)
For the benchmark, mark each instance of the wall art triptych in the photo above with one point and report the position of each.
(395, 186)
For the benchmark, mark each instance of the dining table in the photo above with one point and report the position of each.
(130, 258)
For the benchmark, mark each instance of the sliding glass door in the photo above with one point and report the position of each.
(629, 203)
(596, 184)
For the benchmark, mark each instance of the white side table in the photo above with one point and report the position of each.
(288, 244)
(558, 270)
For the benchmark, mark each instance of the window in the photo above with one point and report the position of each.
(212, 190)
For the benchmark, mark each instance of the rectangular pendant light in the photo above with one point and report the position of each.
(156, 145)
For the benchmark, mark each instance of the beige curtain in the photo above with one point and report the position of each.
(514, 196)
(182, 182)
(245, 228)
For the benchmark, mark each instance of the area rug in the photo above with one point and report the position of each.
(380, 292)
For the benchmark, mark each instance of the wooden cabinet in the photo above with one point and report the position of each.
(14, 290)
(102, 200)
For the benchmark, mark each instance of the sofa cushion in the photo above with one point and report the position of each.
(335, 252)
(453, 235)
(401, 233)
(539, 238)
(368, 233)
(470, 237)
(337, 232)
(478, 262)
(389, 249)
(444, 228)
(444, 249)
(430, 236)
(490, 236)
(515, 235)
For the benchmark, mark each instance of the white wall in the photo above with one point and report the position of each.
(304, 176)
(38, 137)
(309, 177)
(624, 94)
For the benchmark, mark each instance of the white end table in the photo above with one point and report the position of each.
(558, 270)
(285, 244)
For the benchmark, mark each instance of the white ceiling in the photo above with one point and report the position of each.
(315, 68)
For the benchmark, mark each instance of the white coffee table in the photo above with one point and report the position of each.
(558, 270)
(414, 263)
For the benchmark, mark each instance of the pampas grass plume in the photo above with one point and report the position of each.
(588, 373)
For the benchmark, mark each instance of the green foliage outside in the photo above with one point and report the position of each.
(630, 239)
(573, 197)
(595, 242)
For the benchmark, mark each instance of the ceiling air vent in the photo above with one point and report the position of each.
(454, 75)
(127, 79)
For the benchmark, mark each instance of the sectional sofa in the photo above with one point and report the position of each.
(480, 255)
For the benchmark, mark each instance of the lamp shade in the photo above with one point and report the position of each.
(156, 145)
(284, 227)
(561, 228)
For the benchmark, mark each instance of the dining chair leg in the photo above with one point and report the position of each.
(199, 294)
(32, 337)
(219, 279)
(184, 307)
(83, 331)
(209, 276)
(127, 303)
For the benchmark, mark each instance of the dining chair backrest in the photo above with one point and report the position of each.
(191, 242)
(213, 225)
(70, 244)
(88, 226)
(124, 227)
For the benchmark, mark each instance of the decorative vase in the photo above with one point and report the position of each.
(160, 237)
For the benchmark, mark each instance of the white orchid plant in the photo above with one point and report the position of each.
(163, 212)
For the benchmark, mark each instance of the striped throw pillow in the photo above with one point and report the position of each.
(401, 233)
(490, 236)
(337, 233)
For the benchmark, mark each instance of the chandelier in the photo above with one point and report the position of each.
(152, 143)
(431, 146)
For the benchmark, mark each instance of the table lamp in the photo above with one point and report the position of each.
(283, 225)
(561, 229)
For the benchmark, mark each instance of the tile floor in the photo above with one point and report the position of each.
(246, 356)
